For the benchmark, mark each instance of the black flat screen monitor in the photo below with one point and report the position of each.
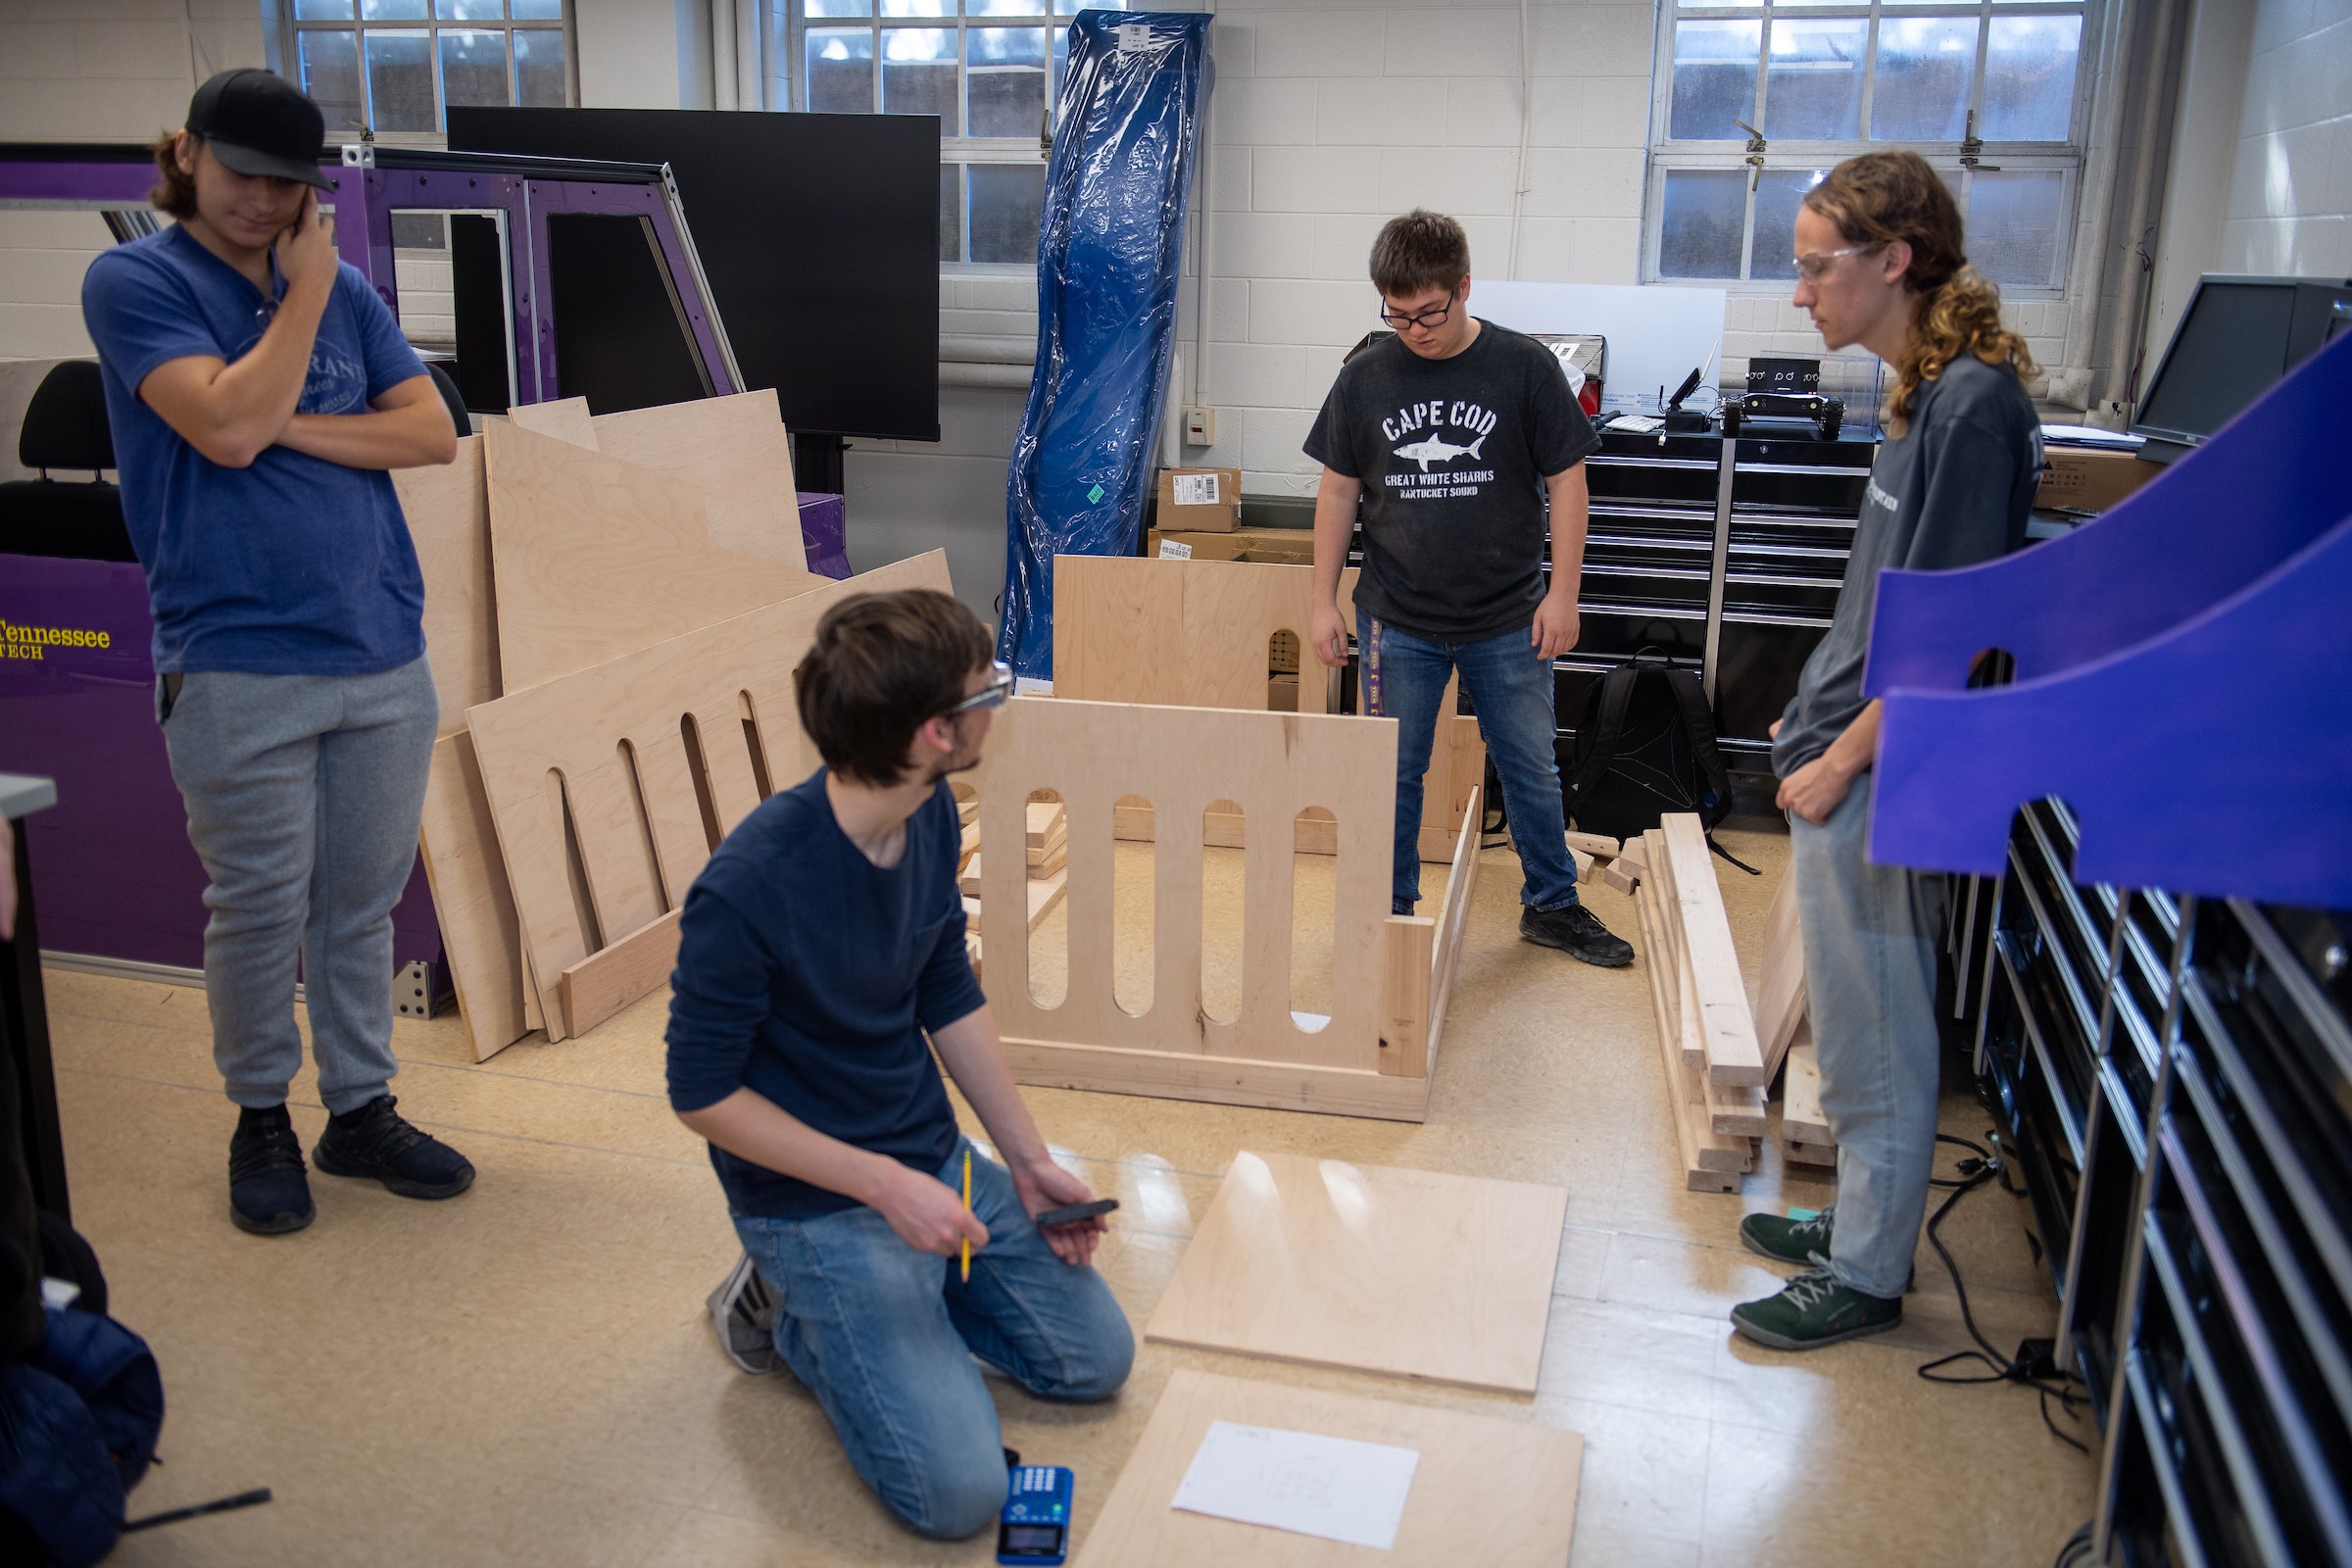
(2237, 338)
(819, 235)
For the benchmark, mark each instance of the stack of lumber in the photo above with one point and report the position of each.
(1048, 830)
(1782, 1026)
(1716, 1067)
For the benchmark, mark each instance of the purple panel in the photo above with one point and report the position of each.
(74, 181)
(824, 533)
(2213, 758)
(2269, 483)
(111, 866)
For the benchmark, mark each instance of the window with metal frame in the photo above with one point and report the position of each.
(1754, 103)
(989, 69)
(394, 66)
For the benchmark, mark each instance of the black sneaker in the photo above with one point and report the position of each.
(1576, 931)
(269, 1191)
(377, 1142)
(1790, 1241)
(1813, 1310)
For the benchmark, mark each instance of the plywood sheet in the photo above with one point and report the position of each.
(597, 558)
(1492, 1493)
(479, 935)
(734, 450)
(448, 510)
(1407, 1273)
(566, 419)
(609, 745)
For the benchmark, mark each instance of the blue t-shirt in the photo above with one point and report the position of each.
(295, 566)
(810, 975)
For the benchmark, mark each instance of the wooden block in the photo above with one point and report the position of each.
(609, 745)
(1803, 1153)
(1801, 1117)
(1048, 822)
(1498, 1493)
(448, 508)
(1735, 1057)
(596, 559)
(972, 950)
(1404, 1273)
(609, 979)
(1600, 846)
(968, 812)
(480, 934)
(1043, 895)
(1047, 862)
(966, 847)
(1779, 1005)
(968, 879)
(1621, 875)
(1711, 1161)
(1405, 1003)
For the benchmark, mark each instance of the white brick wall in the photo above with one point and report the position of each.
(2290, 193)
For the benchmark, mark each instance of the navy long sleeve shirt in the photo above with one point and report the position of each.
(810, 976)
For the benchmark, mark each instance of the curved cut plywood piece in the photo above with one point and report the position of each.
(2211, 760)
(597, 558)
(1185, 758)
(736, 450)
(449, 519)
(574, 728)
(2269, 484)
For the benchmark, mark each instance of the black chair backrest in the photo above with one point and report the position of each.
(449, 395)
(65, 423)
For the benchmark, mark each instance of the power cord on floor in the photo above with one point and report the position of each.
(2033, 1365)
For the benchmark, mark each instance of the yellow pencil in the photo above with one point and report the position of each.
(968, 1209)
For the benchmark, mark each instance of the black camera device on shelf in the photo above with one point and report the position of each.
(1828, 414)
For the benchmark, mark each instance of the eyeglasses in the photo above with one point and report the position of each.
(1426, 319)
(1814, 265)
(991, 695)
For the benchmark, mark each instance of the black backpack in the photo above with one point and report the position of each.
(1645, 745)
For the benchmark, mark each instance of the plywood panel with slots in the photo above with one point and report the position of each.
(449, 519)
(1492, 1493)
(1406, 1273)
(610, 743)
(595, 557)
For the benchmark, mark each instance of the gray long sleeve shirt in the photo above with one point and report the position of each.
(1955, 489)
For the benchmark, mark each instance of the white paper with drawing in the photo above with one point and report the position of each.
(1334, 1487)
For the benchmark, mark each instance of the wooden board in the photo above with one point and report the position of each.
(1494, 1493)
(1734, 1058)
(736, 450)
(1622, 874)
(1803, 1153)
(449, 520)
(1181, 760)
(1046, 824)
(1780, 1005)
(608, 980)
(1197, 634)
(595, 557)
(1801, 1116)
(609, 745)
(566, 419)
(1452, 920)
(479, 936)
(1596, 845)
(1406, 1273)
(1711, 1161)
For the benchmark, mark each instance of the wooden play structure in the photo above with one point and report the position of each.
(1372, 1055)
(1200, 634)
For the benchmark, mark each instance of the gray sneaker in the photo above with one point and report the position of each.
(743, 1312)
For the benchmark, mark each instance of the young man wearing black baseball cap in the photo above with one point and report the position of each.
(259, 392)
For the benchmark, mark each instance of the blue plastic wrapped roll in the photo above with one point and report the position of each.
(1109, 250)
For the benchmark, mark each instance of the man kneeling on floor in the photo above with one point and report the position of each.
(820, 944)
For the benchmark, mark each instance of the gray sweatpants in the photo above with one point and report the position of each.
(303, 795)
(1870, 982)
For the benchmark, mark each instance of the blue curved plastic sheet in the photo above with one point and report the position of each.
(1109, 255)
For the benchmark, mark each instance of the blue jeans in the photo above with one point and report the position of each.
(303, 795)
(1870, 936)
(1404, 679)
(884, 1337)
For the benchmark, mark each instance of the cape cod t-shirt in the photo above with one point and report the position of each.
(294, 565)
(1452, 455)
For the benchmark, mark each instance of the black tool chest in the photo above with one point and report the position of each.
(2175, 1080)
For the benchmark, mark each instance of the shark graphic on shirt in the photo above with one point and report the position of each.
(1434, 450)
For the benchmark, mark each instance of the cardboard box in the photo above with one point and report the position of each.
(2089, 479)
(1200, 500)
(1282, 546)
(1282, 693)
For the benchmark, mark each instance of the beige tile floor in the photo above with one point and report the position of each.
(524, 1375)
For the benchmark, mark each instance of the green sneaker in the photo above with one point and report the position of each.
(1788, 1240)
(1814, 1310)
